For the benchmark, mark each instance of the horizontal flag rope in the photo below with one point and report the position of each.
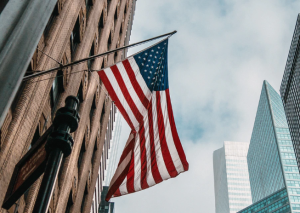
(153, 153)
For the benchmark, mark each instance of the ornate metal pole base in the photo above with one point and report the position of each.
(59, 145)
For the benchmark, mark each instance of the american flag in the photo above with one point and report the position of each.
(140, 89)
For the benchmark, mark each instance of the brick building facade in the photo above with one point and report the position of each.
(76, 29)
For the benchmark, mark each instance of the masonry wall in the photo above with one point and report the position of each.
(101, 25)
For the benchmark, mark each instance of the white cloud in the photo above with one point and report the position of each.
(223, 51)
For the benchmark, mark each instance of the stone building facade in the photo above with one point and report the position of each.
(76, 30)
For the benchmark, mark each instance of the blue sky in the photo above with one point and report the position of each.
(223, 51)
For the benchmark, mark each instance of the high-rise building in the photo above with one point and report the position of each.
(76, 29)
(106, 207)
(109, 165)
(231, 179)
(290, 90)
(113, 150)
(273, 172)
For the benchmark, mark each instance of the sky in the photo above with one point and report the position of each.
(218, 59)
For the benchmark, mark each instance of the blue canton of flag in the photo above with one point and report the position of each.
(154, 67)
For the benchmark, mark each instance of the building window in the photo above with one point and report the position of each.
(89, 4)
(75, 36)
(84, 197)
(101, 25)
(70, 203)
(56, 89)
(92, 111)
(80, 95)
(125, 10)
(54, 14)
(90, 62)
(116, 17)
(116, 57)
(82, 151)
(94, 152)
(102, 65)
(102, 113)
(121, 29)
(109, 42)
(35, 138)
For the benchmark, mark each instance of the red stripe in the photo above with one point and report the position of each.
(154, 169)
(135, 83)
(130, 175)
(114, 97)
(126, 94)
(127, 149)
(175, 134)
(114, 189)
(117, 193)
(162, 138)
(144, 183)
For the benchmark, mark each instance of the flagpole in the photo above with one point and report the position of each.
(95, 56)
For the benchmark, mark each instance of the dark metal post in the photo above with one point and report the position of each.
(59, 145)
(45, 192)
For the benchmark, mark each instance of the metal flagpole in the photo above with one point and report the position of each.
(94, 56)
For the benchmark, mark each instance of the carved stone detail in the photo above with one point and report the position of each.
(85, 83)
(75, 184)
(66, 71)
(82, 22)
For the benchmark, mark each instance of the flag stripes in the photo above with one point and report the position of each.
(153, 152)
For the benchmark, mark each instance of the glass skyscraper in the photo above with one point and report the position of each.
(290, 90)
(231, 179)
(273, 172)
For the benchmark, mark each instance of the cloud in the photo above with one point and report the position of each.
(223, 51)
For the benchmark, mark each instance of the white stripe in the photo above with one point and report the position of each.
(139, 77)
(168, 133)
(150, 179)
(121, 168)
(131, 89)
(137, 164)
(159, 158)
(123, 187)
(118, 91)
(122, 165)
